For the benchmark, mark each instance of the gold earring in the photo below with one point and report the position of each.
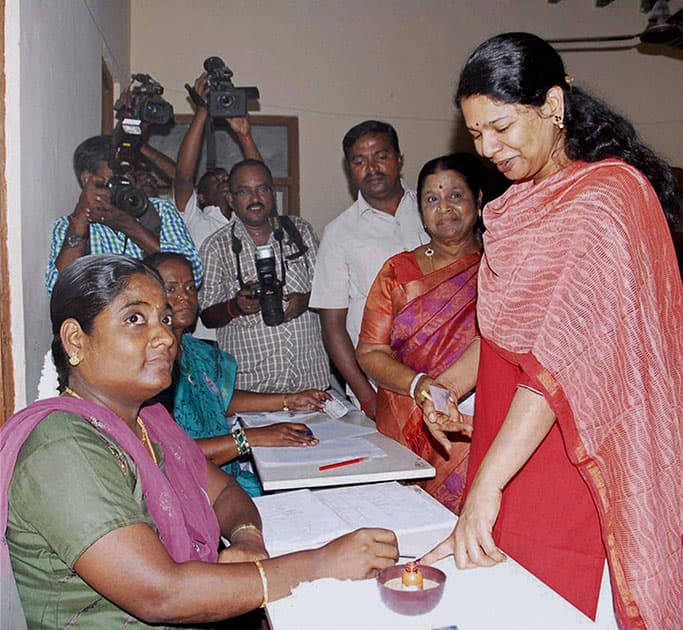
(558, 122)
(74, 360)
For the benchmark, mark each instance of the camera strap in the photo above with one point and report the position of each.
(236, 246)
(210, 135)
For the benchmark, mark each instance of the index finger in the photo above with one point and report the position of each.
(442, 550)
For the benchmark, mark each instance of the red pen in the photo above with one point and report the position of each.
(346, 462)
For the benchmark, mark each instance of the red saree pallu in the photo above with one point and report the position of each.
(428, 321)
(580, 292)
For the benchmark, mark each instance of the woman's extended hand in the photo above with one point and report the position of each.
(308, 400)
(471, 542)
(281, 434)
(360, 554)
(439, 424)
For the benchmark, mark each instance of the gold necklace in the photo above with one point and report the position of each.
(146, 441)
(143, 429)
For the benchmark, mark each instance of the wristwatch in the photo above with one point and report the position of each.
(74, 240)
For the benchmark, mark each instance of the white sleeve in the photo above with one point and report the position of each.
(331, 279)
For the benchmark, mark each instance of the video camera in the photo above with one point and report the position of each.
(226, 100)
(140, 103)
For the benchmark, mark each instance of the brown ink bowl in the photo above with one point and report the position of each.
(411, 602)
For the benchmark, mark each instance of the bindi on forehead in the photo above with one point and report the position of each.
(440, 186)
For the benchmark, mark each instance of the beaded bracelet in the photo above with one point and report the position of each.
(285, 406)
(264, 583)
(241, 442)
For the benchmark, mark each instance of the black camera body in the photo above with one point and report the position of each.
(269, 288)
(226, 100)
(145, 102)
(126, 197)
(142, 103)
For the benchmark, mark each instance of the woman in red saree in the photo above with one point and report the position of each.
(576, 450)
(420, 317)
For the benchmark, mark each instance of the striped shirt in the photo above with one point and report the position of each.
(285, 358)
(104, 240)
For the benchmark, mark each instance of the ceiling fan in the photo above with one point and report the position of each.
(662, 29)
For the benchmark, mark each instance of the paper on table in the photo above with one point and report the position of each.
(407, 510)
(323, 428)
(324, 453)
(301, 519)
(262, 419)
(297, 520)
(326, 430)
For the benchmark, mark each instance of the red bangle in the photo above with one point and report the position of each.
(365, 404)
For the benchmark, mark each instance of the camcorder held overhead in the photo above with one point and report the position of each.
(225, 100)
(141, 103)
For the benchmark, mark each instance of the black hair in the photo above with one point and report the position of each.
(91, 152)
(370, 128)
(243, 164)
(159, 258)
(204, 179)
(520, 68)
(466, 164)
(84, 288)
(469, 166)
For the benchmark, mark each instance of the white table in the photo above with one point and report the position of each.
(504, 597)
(400, 463)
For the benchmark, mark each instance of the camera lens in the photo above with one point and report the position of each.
(226, 100)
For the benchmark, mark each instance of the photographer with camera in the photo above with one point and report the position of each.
(207, 209)
(113, 217)
(258, 274)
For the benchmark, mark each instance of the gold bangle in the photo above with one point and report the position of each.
(245, 526)
(285, 407)
(264, 583)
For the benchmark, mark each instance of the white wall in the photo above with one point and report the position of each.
(334, 63)
(54, 52)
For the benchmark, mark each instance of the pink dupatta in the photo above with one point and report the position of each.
(176, 498)
(579, 275)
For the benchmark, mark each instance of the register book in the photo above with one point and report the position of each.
(305, 519)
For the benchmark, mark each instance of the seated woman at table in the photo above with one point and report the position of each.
(420, 317)
(110, 514)
(202, 392)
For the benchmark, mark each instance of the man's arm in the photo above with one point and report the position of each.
(160, 161)
(341, 351)
(190, 148)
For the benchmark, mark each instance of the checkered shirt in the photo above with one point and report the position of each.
(285, 358)
(104, 240)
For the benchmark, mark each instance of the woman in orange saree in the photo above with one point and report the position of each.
(420, 317)
(576, 451)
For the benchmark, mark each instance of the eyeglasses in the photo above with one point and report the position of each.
(245, 193)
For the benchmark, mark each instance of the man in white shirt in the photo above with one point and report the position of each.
(382, 222)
